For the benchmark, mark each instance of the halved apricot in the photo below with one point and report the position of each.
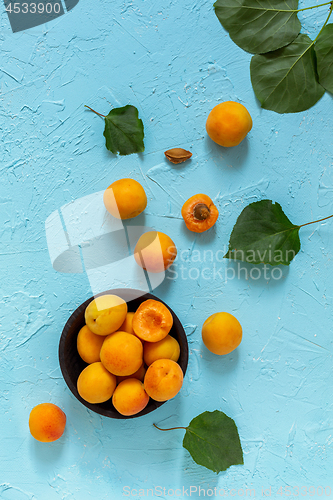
(199, 213)
(152, 321)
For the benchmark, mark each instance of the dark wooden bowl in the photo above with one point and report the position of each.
(71, 364)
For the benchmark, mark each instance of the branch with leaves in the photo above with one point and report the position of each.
(289, 71)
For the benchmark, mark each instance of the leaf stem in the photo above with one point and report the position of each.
(313, 7)
(171, 428)
(329, 15)
(314, 222)
(99, 114)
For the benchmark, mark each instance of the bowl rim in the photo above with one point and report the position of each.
(131, 294)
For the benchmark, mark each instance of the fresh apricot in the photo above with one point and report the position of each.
(47, 422)
(125, 199)
(127, 325)
(163, 379)
(122, 353)
(89, 345)
(96, 384)
(139, 374)
(221, 333)
(228, 123)
(155, 251)
(199, 213)
(105, 314)
(152, 321)
(167, 348)
(130, 397)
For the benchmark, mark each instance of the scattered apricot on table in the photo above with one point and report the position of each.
(199, 213)
(47, 422)
(163, 379)
(228, 123)
(130, 397)
(221, 333)
(96, 384)
(125, 199)
(155, 251)
(152, 321)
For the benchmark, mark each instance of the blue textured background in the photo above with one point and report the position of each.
(174, 62)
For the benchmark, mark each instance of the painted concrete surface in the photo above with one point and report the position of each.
(174, 62)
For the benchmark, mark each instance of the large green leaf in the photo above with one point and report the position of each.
(324, 52)
(124, 131)
(259, 26)
(286, 80)
(264, 234)
(213, 441)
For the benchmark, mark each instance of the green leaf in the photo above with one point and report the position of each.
(124, 131)
(213, 441)
(259, 26)
(324, 53)
(263, 234)
(286, 80)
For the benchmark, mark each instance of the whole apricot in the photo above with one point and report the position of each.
(152, 321)
(199, 213)
(105, 314)
(167, 348)
(125, 199)
(47, 422)
(127, 325)
(228, 123)
(130, 397)
(122, 353)
(221, 333)
(96, 384)
(89, 345)
(155, 251)
(139, 374)
(163, 379)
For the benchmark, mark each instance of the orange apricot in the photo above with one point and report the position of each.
(127, 325)
(155, 251)
(199, 213)
(228, 123)
(139, 374)
(122, 353)
(105, 314)
(89, 345)
(95, 383)
(152, 321)
(130, 397)
(163, 379)
(47, 422)
(125, 199)
(167, 348)
(221, 333)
